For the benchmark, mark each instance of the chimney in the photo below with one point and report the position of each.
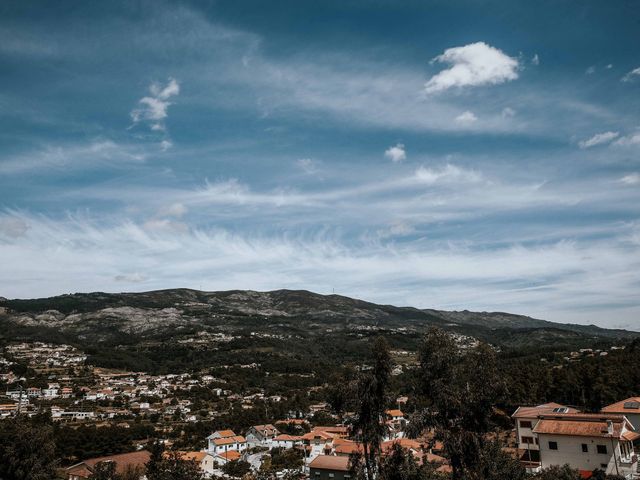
(610, 427)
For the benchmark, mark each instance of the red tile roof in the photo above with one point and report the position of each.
(231, 455)
(582, 425)
(283, 437)
(123, 461)
(619, 407)
(544, 409)
(229, 440)
(266, 430)
(347, 448)
(395, 413)
(330, 462)
(197, 456)
(403, 442)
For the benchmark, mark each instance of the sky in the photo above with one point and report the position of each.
(480, 155)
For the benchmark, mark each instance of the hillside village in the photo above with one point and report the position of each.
(320, 443)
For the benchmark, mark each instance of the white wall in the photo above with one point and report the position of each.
(570, 451)
(526, 432)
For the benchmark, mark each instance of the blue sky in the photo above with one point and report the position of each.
(476, 155)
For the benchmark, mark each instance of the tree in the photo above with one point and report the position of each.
(495, 464)
(564, 472)
(171, 465)
(369, 426)
(400, 464)
(461, 389)
(598, 474)
(289, 459)
(237, 468)
(104, 471)
(27, 450)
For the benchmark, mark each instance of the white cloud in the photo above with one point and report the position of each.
(631, 179)
(466, 118)
(628, 140)
(396, 153)
(591, 70)
(598, 139)
(79, 253)
(609, 66)
(508, 112)
(165, 145)
(535, 60)
(154, 108)
(172, 88)
(449, 173)
(308, 165)
(475, 64)
(632, 75)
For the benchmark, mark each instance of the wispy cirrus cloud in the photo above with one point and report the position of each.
(473, 65)
(81, 155)
(564, 274)
(448, 173)
(598, 139)
(632, 75)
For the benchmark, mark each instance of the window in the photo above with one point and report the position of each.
(527, 440)
(331, 475)
(525, 424)
(585, 448)
(602, 449)
(553, 445)
(603, 466)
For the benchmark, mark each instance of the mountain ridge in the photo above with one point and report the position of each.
(69, 309)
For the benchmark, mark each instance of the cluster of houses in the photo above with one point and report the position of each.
(553, 434)
(46, 355)
(320, 445)
(547, 435)
(68, 395)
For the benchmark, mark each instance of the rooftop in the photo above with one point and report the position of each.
(330, 462)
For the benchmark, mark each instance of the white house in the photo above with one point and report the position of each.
(526, 419)
(51, 391)
(226, 457)
(223, 441)
(261, 435)
(286, 441)
(587, 442)
(58, 413)
(396, 423)
(205, 461)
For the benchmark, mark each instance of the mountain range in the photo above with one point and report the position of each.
(185, 313)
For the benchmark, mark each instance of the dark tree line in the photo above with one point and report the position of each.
(456, 394)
